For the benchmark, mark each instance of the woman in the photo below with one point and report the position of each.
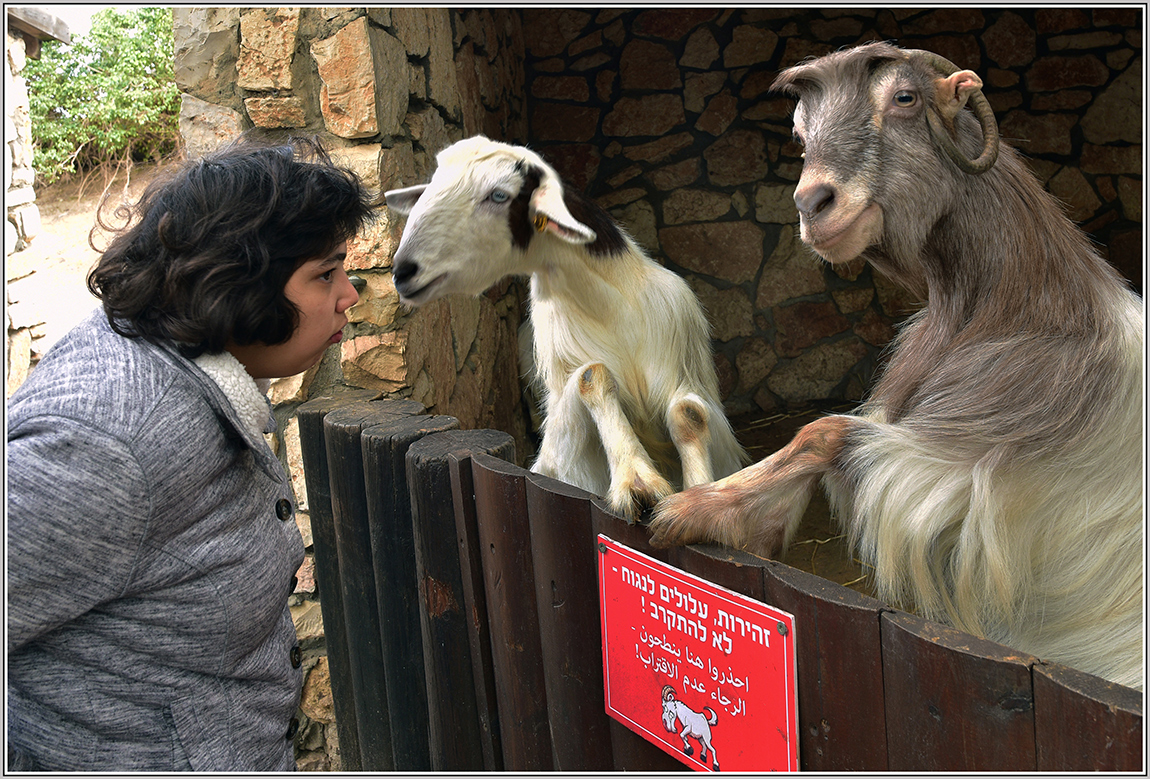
(151, 541)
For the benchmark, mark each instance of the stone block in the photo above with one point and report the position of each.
(648, 65)
(675, 175)
(738, 157)
(638, 219)
(378, 302)
(699, 87)
(815, 374)
(561, 88)
(749, 45)
(267, 42)
(754, 363)
(701, 50)
(276, 111)
(315, 700)
(442, 82)
(672, 24)
(729, 311)
(649, 115)
(695, 205)
(1010, 41)
(1039, 134)
(347, 76)
(732, 251)
(205, 126)
(207, 48)
(1049, 74)
(548, 31)
(562, 122)
(660, 149)
(376, 361)
(720, 112)
(791, 271)
(804, 324)
(411, 26)
(775, 203)
(1116, 114)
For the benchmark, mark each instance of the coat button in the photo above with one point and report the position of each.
(283, 509)
(293, 728)
(296, 656)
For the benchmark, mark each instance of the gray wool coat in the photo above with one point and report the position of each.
(151, 552)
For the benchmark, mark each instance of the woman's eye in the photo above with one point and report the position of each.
(905, 99)
(499, 196)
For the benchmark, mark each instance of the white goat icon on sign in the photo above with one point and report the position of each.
(694, 725)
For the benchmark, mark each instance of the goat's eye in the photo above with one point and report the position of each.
(498, 196)
(905, 99)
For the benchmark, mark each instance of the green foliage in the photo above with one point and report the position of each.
(110, 96)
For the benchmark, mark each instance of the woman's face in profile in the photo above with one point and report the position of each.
(321, 291)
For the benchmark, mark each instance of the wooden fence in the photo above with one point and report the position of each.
(459, 597)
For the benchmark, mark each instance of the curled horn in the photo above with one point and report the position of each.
(982, 110)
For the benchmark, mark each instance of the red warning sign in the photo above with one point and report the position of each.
(704, 673)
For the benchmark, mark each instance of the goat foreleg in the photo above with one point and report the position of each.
(689, 424)
(758, 508)
(635, 482)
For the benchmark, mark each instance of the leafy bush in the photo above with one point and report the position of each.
(109, 97)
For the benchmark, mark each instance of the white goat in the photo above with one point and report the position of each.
(622, 348)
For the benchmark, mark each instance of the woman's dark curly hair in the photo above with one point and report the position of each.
(208, 251)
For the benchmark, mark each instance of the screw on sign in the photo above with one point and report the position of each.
(704, 673)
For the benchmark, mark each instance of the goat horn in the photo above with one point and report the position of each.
(982, 111)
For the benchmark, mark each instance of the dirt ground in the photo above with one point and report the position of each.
(46, 280)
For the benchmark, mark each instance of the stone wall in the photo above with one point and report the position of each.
(384, 90)
(23, 216)
(664, 117)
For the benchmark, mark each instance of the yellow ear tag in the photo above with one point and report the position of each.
(541, 223)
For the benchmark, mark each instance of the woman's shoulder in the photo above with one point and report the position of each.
(95, 376)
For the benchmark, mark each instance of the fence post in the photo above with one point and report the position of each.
(509, 581)
(955, 702)
(564, 555)
(310, 416)
(1083, 723)
(342, 428)
(384, 446)
(455, 725)
(475, 606)
(842, 718)
(629, 750)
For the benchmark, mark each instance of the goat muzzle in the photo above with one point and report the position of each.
(982, 111)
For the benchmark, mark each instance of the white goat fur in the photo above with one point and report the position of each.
(621, 345)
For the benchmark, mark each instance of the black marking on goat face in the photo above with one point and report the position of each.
(609, 238)
(518, 214)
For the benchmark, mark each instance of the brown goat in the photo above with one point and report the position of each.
(993, 478)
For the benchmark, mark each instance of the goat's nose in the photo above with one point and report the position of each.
(403, 271)
(814, 198)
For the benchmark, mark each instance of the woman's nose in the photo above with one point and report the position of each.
(349, 295)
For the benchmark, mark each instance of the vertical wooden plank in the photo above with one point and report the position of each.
(475, 600)
(342, 428)
(314, 452)
(842, 720)
(954, 702)
(629, 750)
(509, 580)
(564, 556)
(1084, 723)
(731, 568)
(455, 730)
(384, 448)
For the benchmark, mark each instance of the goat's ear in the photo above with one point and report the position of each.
(549, 212)
(952, 92)
(403, 200)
